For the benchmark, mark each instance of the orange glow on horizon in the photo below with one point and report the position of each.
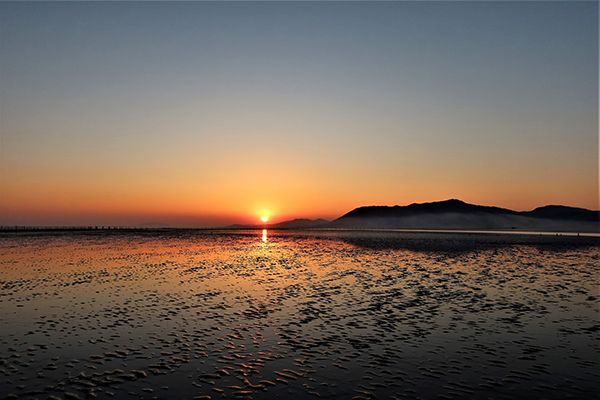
(55, 197)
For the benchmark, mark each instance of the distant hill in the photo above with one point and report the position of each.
(298, 223)
(451, 214)
(439, 207)
(456, 214)
(563, 212)
(301, 223)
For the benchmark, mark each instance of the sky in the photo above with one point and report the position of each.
(203, 114)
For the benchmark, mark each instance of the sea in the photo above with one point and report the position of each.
(265, 314)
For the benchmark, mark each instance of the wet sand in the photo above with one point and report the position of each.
(341, 315)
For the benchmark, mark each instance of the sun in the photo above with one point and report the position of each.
(265, 219)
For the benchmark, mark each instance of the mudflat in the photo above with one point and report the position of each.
(184, 314)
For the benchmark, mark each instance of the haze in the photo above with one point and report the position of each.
(210, 113)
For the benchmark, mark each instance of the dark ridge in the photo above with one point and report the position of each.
(439, 207)
(456, 214)
(564, 212)
(298, 223)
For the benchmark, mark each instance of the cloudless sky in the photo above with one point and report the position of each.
(210, 113)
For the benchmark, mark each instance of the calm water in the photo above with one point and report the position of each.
(187, 314)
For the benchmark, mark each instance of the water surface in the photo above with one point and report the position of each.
(186, 314)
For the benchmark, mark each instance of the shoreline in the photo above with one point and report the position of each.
(501, 231)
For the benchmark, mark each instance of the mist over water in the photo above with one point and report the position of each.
(474, 221)
(263, 314)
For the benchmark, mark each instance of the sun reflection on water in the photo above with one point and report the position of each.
(264, 235)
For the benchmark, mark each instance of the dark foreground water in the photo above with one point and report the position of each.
(340, 315)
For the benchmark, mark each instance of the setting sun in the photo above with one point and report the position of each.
(265, 219)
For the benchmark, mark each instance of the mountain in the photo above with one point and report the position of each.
(456, 214)
(440, 207)
(451, 214)
(563, 212)
(298, 223)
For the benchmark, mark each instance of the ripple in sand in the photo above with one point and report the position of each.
(207, 312)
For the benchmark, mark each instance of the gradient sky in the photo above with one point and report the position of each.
(204, 114)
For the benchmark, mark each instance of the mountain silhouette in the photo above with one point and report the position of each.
(440, 207)
(563, 212)
(450, 214)
(298, 223)
(456, 214)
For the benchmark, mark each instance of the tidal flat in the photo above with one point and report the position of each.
(191, 314)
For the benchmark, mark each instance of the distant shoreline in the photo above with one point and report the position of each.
(450, 215)
(14, 229)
